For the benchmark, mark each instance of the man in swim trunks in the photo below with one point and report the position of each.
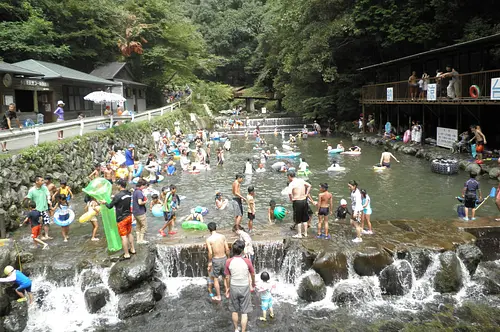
(325, 205)
(238, 199)
(41, 196)
(299, 189)
(480, 141)
(385, 158)
(121, 203)
(238, 272)
(218, 250)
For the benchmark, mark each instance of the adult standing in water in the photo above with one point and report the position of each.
(60, 116)
(238, 199)
(357, 209)
(121, 203)
(385, 158)
(299, 189)
(41, 196)
(238, 271)
(218, 250)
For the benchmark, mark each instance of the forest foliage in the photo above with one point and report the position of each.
(306, 52)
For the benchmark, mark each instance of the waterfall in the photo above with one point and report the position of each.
(182, 261)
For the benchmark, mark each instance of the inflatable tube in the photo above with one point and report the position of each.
(474, 91)
(137, 172)
(306, 172)
(194, 224)
(445, 166)
(157, 210)
(332, 151)
(279, 212)
(223, 139)
(312, 133)
(64, 217)
(260, 170)
(407, 136)
(88, 215)
(336, 169)
(277, 165)
(204, 210)
(223, 206)
(121, 173)
(288, 155)
(379, 168)
(351, 153)
(461, 200)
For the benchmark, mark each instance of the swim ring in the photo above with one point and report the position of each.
(204, 210)
(157, 210)
(194, 224)
(379, 168)
(336, 169)
(64, 217)
(89, 215)
(122, 173)
(306, 172)
(312, 133)
(288, 155)
(332, 151)
(352, 153)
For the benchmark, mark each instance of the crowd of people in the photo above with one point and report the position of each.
(418, 86)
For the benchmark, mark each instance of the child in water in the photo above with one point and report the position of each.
(251, 207)
(155, 200)
(62, 205)
(270, 211)
(22, 281)
(35, 219)
(65, 190)
(265, 289)
(342, 211)
(196, 215)
(93, 205)
(219, 201)
(367, 211)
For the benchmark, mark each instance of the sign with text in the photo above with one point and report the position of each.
(390, 94)
(495, 89)
(34, 83)
(446, 137)
(264, 110)
(432, 91)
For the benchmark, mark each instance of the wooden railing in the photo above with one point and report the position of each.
(377, 93)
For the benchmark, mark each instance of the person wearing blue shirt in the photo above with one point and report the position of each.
(129, 160)
(22, 281)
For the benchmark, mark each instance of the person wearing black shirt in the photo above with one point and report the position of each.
(121, 202)
(6, 122)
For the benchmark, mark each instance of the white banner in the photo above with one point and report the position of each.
(445, 137)
(495, 89)
(432, 91)
(264, 110)
(390, 94)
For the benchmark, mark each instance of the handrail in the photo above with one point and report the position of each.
(34, 132)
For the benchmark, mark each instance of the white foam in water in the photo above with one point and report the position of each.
(63, 307)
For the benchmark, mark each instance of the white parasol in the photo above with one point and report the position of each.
(102, 97)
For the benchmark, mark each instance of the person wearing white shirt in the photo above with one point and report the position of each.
(156, 137)
(303, 166)
(357, 209)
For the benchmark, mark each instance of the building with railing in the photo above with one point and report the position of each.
(474, 97)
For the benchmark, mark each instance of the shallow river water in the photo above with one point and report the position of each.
(407, 191)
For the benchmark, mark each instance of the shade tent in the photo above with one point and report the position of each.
(102, 97)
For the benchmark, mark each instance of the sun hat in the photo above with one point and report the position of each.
(198, 209)
(60, 102)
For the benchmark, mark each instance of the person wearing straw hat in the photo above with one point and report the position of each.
(60, 117)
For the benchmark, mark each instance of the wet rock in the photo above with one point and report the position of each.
(420, 259)
(90, 279)
(129, 273)
(158, 289)
(473, 168)
(352, 291)
(409, 150)
(488, 276)
(96, 298)
(4, 303)
(396, 279)
(494, 172)
(449, 277)
(370, 261)
(470, 255)
(312, 288)
(5, 257)
(136, 302)
(61, 273)
(331, 266)
(17, 319)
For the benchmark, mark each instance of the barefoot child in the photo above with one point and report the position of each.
(325, 208)
(251, 207)
(265, 289)
(367, 211)
(65, 190)
(35, 219)
(93, 205)
(96, 173)
(109, 174)
(22, 281)
(270, 211)
(170, 205)
(62, 204)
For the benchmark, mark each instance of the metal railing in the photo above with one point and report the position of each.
(377, 93)
(34, 132)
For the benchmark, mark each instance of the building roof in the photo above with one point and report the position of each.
(129, 82)
(12, 69)
(55, 71)
(109, 70)
(488, 39)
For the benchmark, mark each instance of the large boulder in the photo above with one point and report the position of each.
(136, 302)
(420, 259)
(312, 287)
(5, 257)
(352, 291)
(158, 289)
(396, 279)
(488, 276)
(473, 168)
(90, 279)
(371, 261)
(470, 255)
(494, 172)
(331, 266)
(62, 273)
(129, 273)
(96, 298)
(17, 319)
(449, 276)
(4, 302)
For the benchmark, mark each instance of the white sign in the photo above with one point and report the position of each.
(432, 91)
(495, 89)
(446, 137)
(390, 94)
(35, 83)
(264, 110)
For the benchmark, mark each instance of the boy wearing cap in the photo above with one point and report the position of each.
(22, 281)
(325, 208)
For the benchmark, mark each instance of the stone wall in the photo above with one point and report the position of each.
(73, 160)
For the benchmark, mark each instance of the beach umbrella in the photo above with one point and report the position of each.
(101, 97)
